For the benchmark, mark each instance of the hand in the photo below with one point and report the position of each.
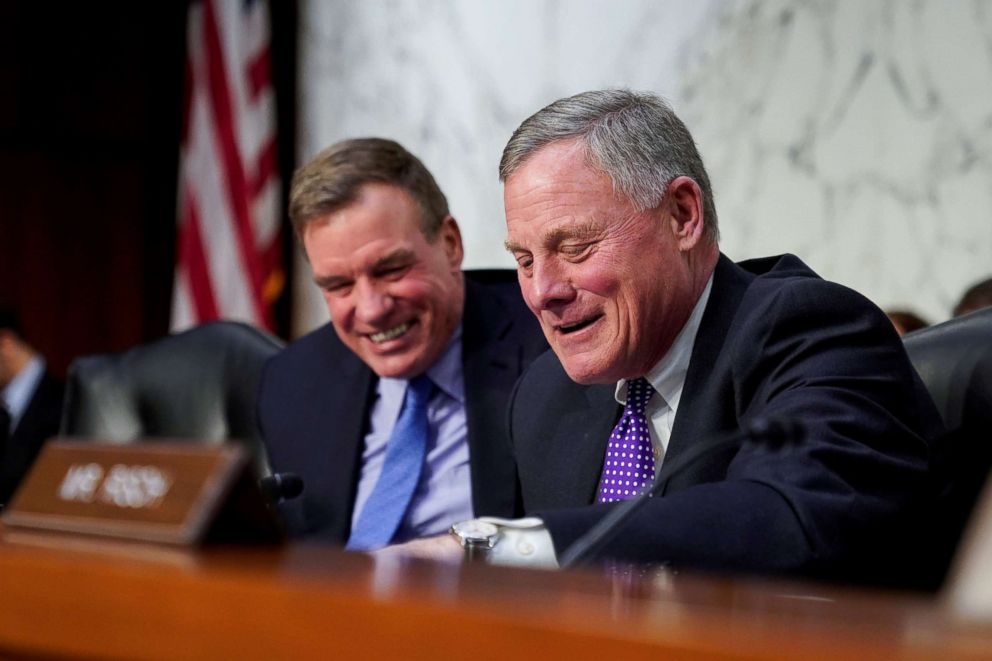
(442, 547)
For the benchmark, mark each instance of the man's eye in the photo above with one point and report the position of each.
(524, 261)
(337, 288)
(574, 250)
(394, 272)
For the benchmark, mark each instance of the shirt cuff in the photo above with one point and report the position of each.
(522, 543)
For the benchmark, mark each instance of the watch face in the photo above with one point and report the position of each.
(474, 530)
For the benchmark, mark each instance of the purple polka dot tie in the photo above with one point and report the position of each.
(629, 464)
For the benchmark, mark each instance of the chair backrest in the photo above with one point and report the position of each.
(199, 385)
(954, 359)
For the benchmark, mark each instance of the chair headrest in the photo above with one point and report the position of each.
(954, 359)
(199, 384)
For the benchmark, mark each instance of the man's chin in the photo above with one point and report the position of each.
(585, 374)
(399, 366)
(393, 372)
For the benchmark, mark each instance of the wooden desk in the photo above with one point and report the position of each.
(73, 598)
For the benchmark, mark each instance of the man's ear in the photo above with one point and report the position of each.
(451, 240)
(685, 205)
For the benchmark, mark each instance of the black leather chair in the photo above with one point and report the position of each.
(491, 276)
(199, 385)
(954, 359)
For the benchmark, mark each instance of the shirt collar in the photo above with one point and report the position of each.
(17, 394)
(446, 372)
(668, 375)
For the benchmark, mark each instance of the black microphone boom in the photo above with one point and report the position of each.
(280, 487)
(771, 432)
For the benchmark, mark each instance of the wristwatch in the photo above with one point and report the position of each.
(476, 537)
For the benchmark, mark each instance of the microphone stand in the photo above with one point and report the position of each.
(280, 487)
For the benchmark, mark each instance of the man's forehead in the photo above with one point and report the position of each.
(375, 253)
(371, 197)
(557, 177)
(332, 270)
(556, 156)
(329, 255)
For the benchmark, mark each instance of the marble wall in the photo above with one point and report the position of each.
(855, 134)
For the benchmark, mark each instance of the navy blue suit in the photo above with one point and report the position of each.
(315, 397)
(775, 341)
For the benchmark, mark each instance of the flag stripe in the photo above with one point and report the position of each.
(194, 259)
(229, 221)
(265, 169)
(272, 255)
(258, 74)
(234, 173)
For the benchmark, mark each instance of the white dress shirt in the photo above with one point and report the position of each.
(17, 394)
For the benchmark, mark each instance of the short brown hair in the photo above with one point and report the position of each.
(333, 178)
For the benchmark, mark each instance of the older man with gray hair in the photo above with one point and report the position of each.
(663, 348)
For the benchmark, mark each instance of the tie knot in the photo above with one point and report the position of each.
(419, 390)
(639, 391)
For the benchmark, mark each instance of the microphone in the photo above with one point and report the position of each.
(280, 487)
(774, 433)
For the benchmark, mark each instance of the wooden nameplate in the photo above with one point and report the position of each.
(164, 492)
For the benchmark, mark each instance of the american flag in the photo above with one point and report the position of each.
(228, 251)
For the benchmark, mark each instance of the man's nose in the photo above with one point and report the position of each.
(372, 303)
(549, 285)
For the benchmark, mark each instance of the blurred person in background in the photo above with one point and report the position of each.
(906, 321)
(30, 404)
(978, 296)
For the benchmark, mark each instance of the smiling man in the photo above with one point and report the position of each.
(663, 346)
(664, 350)
(394, 413)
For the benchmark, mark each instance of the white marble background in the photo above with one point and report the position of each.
(856, 134)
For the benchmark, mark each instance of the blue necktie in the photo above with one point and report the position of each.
(386, 506)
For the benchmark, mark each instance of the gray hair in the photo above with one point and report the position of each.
(635, 138)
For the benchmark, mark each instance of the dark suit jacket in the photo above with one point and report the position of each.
(315, 397)
(775, 341)
(39, 422)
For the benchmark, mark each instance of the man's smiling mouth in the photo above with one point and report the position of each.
(390, 334)
(565, 329)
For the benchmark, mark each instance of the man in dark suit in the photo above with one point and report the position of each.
(30, 404)
(662, 346)
(386, 253)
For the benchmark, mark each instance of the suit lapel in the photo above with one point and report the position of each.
(336, 441)
(587, 435)
(491, 363)
(701, 400)
(562, 431)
